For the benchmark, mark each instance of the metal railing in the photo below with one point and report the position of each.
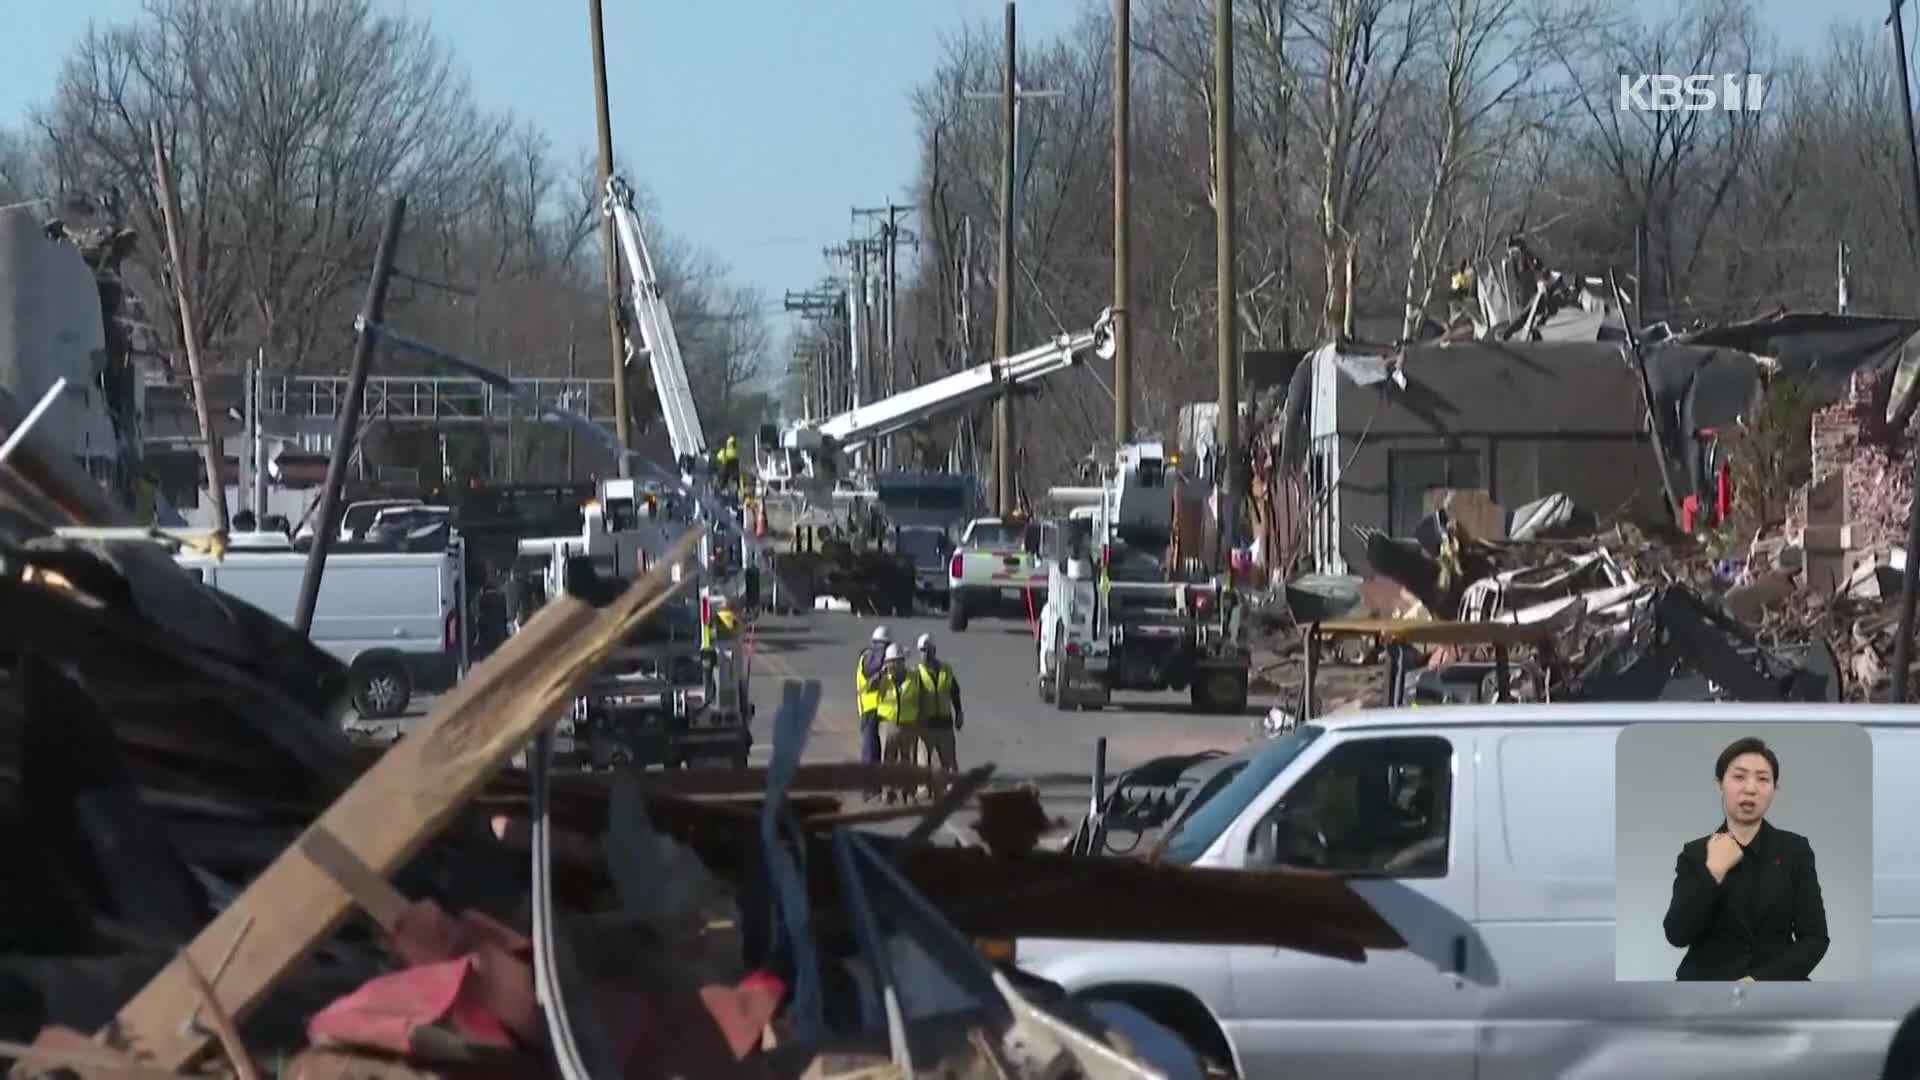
(434, 399)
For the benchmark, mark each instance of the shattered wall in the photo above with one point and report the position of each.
(1519, 420)
(1851, 437)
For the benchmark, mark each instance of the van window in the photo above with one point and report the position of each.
(1204, 821)
(1379, 806)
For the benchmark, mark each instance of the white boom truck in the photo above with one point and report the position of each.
(805, 460)
(1117, 616)
(733, 565)
(673, 692)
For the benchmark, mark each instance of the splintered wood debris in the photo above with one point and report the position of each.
(206, 877)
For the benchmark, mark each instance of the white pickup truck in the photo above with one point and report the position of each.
(996, 567)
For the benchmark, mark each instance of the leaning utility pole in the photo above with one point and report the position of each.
(617, 341)
(211, 451)
(1122, 223)
(1228, 327)
(327, 518)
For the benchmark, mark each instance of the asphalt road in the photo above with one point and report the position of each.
(1007, 723)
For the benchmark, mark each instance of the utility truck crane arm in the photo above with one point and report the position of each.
(658, 341)
(863, 423)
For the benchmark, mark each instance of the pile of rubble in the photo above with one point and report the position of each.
(205, 877)
(1625, 614)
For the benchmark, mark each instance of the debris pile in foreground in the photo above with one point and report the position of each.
(206, 878)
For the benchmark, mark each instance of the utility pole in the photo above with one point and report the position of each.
(327, 519)
(1229, 325)
(886, 249)
(616, 338)
(817, 306)
(1910, 587)
(1122, 222)
(1003, 454)
(1842, 276)
(586, 406)
(965, 456)
(1010, 95)
(211, 451)
(259, 392)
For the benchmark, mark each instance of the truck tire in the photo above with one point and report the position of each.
(1219, 692)
(381, 689)
(1048, 686)
(957, 614)
(1060, 697)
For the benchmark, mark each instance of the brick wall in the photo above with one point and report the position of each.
(1852, 436)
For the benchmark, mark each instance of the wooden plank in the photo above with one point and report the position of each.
(371, 891)
(387, 816)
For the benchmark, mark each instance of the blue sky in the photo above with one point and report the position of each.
(755, 142)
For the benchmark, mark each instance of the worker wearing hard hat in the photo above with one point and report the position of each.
(866, 676)
(941, 713)
(898, 699)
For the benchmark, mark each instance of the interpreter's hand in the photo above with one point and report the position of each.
(1746, 978)
(1723, 854)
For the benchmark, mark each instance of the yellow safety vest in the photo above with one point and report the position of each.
(898, 702)
(936, 689)
(866, 694)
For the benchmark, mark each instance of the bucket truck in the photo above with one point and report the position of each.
(804, 460)
(732, 564)
(1123, 612)
(674, 691)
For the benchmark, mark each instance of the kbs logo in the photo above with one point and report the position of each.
(1692, 93)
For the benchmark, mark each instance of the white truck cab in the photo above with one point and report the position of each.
(1503, 887)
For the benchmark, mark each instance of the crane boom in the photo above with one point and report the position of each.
(658, 340)
(862, 423)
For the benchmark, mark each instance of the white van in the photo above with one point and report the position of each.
(1509, 918)
(395, 618)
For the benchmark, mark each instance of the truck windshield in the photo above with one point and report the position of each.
(1204, 823)
(926, 547)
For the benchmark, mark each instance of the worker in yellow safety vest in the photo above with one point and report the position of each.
(727, 463)
(866, 677)
(898, 707)
(941, 713)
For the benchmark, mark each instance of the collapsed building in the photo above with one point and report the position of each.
(1542, 415)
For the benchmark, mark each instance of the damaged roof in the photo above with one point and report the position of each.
(1552, 387)
(1823, 349)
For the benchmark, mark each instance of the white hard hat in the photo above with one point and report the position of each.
(882, 636)
(895, 652)
(925, 642)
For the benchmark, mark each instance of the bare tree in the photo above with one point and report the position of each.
(1363, 56)
(1670, 170)
(291, 126)
(23, 173)
(1488, 64)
